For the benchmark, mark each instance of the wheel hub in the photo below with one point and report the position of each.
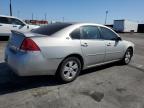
(127, 57)
(70, 70)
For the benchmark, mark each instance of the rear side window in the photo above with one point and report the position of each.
(90, 32)
(107, 34)
(51, 28)
(4, 20)
(76, 34)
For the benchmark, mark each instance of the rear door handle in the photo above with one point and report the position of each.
(1, 25)
(109, 44)
(14, 26)
(84, 45)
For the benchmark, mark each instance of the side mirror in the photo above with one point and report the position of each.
(118, 39)
(22, 25)
(27, 27)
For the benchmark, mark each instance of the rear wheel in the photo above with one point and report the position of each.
(127, 57)
(69, 69)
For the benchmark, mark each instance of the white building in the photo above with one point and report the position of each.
(125, 26)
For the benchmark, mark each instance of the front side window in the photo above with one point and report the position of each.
(16, 22)
(90, 32)
(107, 34)
(75, 34)
(4, 20)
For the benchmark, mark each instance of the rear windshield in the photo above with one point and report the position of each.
(51, 28)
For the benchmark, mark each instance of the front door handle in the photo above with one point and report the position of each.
(84, 45)
(1, 25)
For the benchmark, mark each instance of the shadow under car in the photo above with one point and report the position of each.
(9, 82)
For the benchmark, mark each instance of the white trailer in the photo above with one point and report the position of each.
(125, 26)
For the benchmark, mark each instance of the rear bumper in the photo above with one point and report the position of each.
(30, 63)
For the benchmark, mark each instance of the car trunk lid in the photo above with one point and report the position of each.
(17, 39)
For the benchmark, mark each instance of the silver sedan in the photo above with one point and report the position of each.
(64, 49)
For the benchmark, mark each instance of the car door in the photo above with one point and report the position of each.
(5, 26)
(18, 25)
(92, 46)
(114, 47)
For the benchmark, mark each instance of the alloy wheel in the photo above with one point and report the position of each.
(70, 70)
(127, 57)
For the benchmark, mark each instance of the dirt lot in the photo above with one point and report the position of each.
(108, 86)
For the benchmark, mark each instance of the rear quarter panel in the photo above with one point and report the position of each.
(57, 48)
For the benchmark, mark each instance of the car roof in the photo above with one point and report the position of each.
(8, 16)
(80, 24)
(87, 24)
(94, 24)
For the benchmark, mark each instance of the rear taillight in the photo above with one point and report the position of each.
(29, 45)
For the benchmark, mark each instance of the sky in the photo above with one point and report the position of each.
(76, 10)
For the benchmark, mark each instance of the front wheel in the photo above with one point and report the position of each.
(69, 69)
(127, 57)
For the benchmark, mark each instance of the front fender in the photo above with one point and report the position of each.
(128, 44)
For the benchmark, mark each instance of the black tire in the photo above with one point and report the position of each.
(66, 70)
(127, 57)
